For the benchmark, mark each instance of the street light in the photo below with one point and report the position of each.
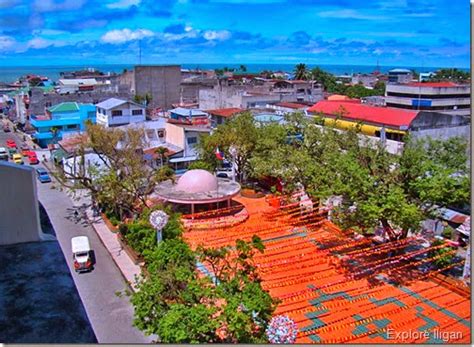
(158, 220)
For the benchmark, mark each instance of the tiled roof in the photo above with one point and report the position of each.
(225, 112)
(365, 113)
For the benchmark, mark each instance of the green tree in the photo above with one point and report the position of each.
(123, 182)
(240, 132)
(453, 75)
(161, 152)
(301, 72)
(181, 307)
(327, 80)
(243, 68)
(202, 165)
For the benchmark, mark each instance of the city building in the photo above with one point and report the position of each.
(161, 82)
(287, 107)
(60, 121)
(442, 97)
(390, 124)
(185, 137)
(400, 76)
(69, 86)
(113, 112)
(189, 115)
(220, 115)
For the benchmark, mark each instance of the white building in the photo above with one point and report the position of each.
(114, 112)
(442, 97)
(74, 85)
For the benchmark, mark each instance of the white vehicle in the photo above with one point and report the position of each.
(81, 253)
(3, 154)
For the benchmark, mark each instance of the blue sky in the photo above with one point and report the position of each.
(394, 32)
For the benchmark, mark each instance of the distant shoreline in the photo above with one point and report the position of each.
(10, 74)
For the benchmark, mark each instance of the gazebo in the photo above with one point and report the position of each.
(197, 187)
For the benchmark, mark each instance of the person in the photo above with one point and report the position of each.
(76, 214)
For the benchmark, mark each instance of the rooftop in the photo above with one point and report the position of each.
(434, 84)
(64, 107)
(225, 112)
(197, 186)
(291, 105)
(186, 112)
(111, 103)
(360, 112)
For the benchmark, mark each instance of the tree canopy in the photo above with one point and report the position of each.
(121, 181)
(377, 188)
(453, 75)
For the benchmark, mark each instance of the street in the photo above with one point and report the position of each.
(110, 315)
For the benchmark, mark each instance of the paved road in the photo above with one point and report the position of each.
(110, 316)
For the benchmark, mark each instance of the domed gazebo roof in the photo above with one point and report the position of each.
(197, 181)
(197, 187)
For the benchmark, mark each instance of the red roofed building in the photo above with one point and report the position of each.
(443, 97)
(383, 116)
(391, 123)
(218, 116)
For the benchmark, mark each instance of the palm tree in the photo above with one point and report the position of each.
(161, 151)
(301, 72)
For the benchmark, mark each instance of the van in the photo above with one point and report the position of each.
(81, 253)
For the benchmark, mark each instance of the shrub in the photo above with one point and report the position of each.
(171, 251)
(141, 236)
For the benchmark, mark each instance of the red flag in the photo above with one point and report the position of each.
(219, 155)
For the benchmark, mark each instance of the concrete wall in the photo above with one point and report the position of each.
(162, 82)
(175, 135)
(220, 97)
(39, 101)
(19, 211)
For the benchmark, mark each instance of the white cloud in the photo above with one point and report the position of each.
(121, 4)
(39, 42)
(377, 51)
(6, 42)
(125, 35)
(220, 35)
(346, 13)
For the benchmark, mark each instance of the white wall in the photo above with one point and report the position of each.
(19, 209)
(126, 118)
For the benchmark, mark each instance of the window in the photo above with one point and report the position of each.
(72, 127)
(192, 140)
(90, 114)
(116, 113)
(137, 112)
(161, 133)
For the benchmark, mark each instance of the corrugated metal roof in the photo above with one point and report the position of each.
(365, 113)
(111, 103)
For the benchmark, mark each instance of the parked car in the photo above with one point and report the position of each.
(11, 152)
(17, 158)
(11, 143)
(43, 175)
(3, 154)
(25, 150)
(81, 253)
(32, 158)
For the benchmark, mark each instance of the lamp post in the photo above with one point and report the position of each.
(158, 220)
(233, 153)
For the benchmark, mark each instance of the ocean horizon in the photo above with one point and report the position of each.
(12, 73)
